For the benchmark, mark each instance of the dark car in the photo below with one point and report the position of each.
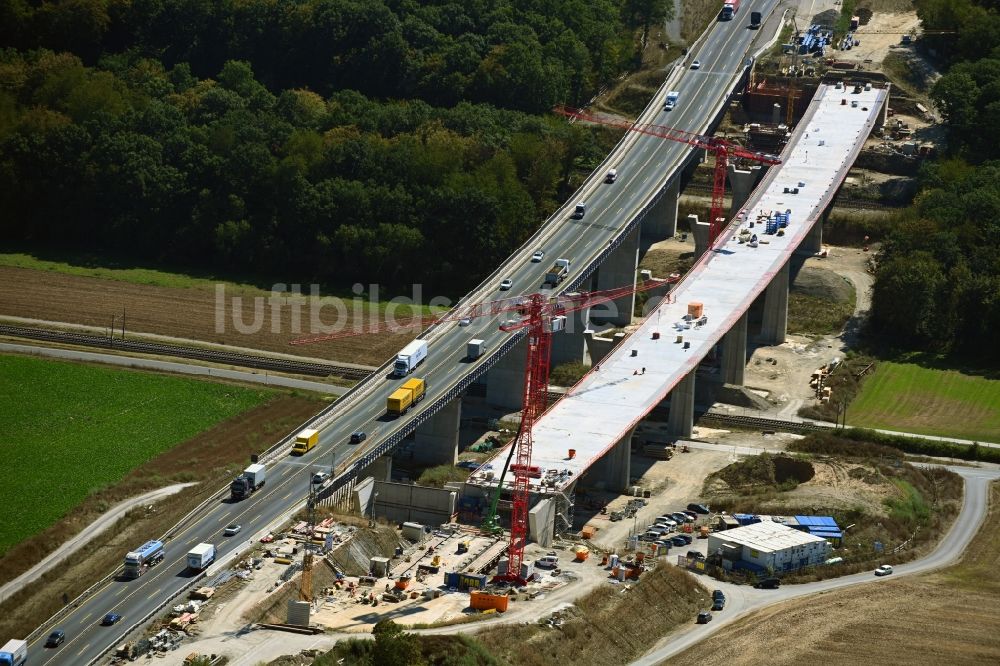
(692, 516)
(686, 538)
(468, 464)
(698, 508)
(110, 619)
(695, 555)
(358, 437)
(678, 541)
(704, 617)
(768, 584)
(56, 638)
(719, 604)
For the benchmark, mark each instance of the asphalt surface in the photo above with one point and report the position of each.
(173, 366)
(642, 162)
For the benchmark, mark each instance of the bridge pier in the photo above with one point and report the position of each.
(661, 222)
(774, 327)
(619, 270)
(741, 183)
(680, 423)
(436, 440)
(570, 345)
(734, 353)
(599, 347)
(699, 230)
(813, 242)
(505, 380)
(614, 469)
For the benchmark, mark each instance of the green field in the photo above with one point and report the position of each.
(67, 430)
(913, 398)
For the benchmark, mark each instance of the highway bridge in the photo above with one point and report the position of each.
(604, 246)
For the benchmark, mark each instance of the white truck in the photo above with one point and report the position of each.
(14, 652)
(251, 480)
(671, 100)
(474, 349)
(409, 358)
(201, 556)
(558, 271)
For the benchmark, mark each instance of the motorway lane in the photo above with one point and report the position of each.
(610, 207)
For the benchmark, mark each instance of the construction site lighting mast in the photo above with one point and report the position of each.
(722, 149)
(541, 315)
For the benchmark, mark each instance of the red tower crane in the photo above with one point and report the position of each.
(722, 149)
(541, 315)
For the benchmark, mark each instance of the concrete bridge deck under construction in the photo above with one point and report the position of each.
(596, 418)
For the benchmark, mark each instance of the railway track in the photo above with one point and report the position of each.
(194, 353)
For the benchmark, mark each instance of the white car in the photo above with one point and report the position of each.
(537, 256)
(883, 570)
(506, 284)
(232, 529)
(465, 321)
(696, 65)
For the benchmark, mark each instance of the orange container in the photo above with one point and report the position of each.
(572, 454)
(696, 309)
(486, 601)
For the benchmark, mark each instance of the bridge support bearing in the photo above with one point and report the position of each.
(742, 182)
(570, 346)
(699, 230)
(775, 325)
(681, 419)
(505, 380)
(661, 222)
(619, 270)
(734, 353)
(436, 441)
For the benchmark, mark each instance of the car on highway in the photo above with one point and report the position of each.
(320, 478)
(358, 436)
(506, 284)
(110, 619)
(704, 617)
(232, 529)
(696, 65)
(611, 176)
(883, 570)
(56, 638)
(718, 604)
(580, 210)
(537, 256)
(465, 321)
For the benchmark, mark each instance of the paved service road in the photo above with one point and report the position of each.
(642, 162)
(741, 599)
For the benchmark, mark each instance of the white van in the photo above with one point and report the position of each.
(547, 562)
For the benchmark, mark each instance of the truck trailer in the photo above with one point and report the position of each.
(201, 556)
(305, 441)
(14, 652)
(139, 561)
(474, 349)
(409, 358)
(410, 393)
(558, 272)
(248, 482)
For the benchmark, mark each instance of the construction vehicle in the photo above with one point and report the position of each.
(14, 653)
(305, 441)
(139, 561)
(248, 482)
(722, 149)
(409, 358)
(729, 9)
(410, 393)
(558, 272)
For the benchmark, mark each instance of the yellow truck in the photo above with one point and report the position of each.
(305, 441)
(411, 392)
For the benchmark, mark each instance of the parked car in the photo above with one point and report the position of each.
(665, 520)
(695, 555)
(883, 570)
(506, 284)
(704, 617)
(664, 544)
(698, 508)
(691, 516)
(232, 529)
(56, 638)
(537, 256)
(768, 584)
(681, 518)
(686, 538)
(110, 619)
(678, 541)
(358, 437)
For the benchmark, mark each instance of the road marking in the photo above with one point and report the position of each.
(87, 616)
(83, 649)
(286, 495)
(121, 590)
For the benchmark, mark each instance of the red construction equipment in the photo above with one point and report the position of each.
(722, 149)
(541, 315)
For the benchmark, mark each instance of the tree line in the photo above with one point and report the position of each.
(938, 283)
